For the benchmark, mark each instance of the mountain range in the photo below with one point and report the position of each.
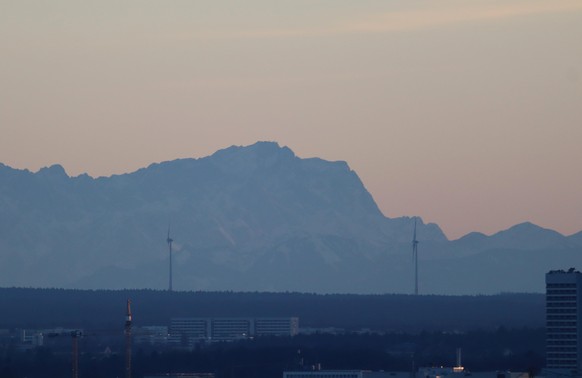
(253, 218)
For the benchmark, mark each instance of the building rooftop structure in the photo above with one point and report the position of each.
(427, 372)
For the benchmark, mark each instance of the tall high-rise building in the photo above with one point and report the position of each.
(563, 310)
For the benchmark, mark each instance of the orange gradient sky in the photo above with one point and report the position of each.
(466, 113)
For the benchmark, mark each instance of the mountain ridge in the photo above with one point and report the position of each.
(256, 218)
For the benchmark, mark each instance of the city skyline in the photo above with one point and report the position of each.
(465, 114)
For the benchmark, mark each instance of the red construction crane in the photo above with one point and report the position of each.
(77, 334)
(128, 340)
(75, 357)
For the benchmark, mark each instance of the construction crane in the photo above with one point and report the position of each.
(128, 340)
(75, 354)
(77, 334)
(169, 240)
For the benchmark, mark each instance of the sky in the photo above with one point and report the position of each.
(466, 113)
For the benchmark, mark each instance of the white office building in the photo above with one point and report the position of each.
(187, 332)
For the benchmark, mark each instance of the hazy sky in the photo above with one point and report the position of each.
(467, 113)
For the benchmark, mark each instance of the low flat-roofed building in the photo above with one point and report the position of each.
(276, 326)
(152, 335)
(186, 332)
(338, 374)
(230, 329)
(181, 375)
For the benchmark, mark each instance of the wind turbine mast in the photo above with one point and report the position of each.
(169, 241)
(415, 257)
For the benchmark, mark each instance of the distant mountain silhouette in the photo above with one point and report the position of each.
(524, 236)
(248, 218)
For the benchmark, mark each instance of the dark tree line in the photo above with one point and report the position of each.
(103, 309)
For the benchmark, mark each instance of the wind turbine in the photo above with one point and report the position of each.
(169, 240)
(415, 257)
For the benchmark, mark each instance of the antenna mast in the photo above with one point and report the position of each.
(127, 331)
(169, 241)
(415, 257)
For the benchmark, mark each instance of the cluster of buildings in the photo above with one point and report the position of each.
(182, 333)
(187, 332)
(24, 339)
